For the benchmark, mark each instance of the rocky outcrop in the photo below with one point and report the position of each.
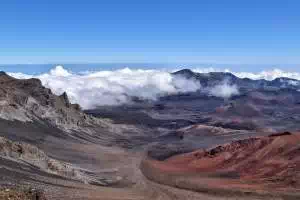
(28, 100)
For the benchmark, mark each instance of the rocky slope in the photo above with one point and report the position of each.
(48, 143)
(27, 154)
(258, 165)
(27, 100)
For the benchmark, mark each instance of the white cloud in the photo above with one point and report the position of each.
(224, 90)
(91, 89)
(267, 75)
(112, 87)
(60, 71)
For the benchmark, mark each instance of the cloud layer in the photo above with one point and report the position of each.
(267, 75)
(92, 89)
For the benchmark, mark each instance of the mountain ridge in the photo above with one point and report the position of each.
(213, 78)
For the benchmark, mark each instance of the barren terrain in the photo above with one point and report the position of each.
(184, 146)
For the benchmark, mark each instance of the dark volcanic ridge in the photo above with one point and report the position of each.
(259, 105)
(215, 78)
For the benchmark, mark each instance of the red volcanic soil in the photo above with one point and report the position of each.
(259, 164)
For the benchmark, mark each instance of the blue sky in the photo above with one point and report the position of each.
(116, 31)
